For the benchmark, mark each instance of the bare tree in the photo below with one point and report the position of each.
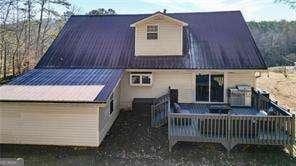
(3, 33)
(45, 6)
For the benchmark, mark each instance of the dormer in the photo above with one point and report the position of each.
(159, 35)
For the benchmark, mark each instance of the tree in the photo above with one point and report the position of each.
(27, 28)
(101, 11)
(290, 3)
(276, 41)
(45, 7)
(72, 10)
(4, 29)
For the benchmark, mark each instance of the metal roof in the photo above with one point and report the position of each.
(73, 93)
(212, 40)
(37, 81)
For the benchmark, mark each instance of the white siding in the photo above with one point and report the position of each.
(105, 118)
(162, 79)
(49, 123)
(241, 78)
(169, 42)
(183, 80)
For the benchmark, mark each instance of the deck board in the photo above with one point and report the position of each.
(197, 108)
(241, 126)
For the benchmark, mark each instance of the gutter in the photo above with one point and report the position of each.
(101, 103)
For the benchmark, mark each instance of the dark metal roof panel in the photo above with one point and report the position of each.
(213, 40)
(107, 77)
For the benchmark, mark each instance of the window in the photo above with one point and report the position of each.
(152, 32)
(111, 104)
(141, 79)
(210, 88)
(146, 79)
(136, 79)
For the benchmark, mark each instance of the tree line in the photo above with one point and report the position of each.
(28, 27)
(276, 41)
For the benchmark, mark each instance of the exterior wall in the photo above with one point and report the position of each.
(169, 42)
(183, 80)
(162, 79)
(241, 78)
(49, 123)
(105, 118)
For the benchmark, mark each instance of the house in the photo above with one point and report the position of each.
(100, 64)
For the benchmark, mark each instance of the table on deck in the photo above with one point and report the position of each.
(219, 108)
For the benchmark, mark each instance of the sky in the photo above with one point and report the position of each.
(253, 10)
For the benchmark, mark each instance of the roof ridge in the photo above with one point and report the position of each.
(145, 14)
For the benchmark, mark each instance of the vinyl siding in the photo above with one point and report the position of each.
(105, 118)
(169, 42)
(162, 79)
(241, 78)
(183, 80)
(49, 123)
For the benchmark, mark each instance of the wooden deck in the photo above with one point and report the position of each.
(195, 108)
(230, 130)
(242, 125)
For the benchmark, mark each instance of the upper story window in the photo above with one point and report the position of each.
(152, 32)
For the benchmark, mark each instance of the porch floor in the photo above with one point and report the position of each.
(195, 108)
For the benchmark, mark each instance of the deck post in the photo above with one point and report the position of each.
(293, 127)
(291, 145)
(172, 142)
(228, 140)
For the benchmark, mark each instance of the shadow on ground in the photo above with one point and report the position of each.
(131, 142)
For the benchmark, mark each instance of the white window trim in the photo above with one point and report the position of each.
(141, 75)
(210, 75)
(152, 32)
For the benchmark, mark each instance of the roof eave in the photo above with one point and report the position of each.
(102, 103)
(156, 14)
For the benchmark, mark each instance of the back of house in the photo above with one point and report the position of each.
(98, 65)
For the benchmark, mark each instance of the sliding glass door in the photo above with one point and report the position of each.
(210, 88)
(217, 88)
(202, 88)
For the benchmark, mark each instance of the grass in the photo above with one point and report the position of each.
(282, 89)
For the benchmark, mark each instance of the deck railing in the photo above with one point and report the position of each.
(231, 129)
(259, 101)
(262, 102)
(159, 110)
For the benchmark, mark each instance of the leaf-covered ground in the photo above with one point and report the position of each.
(131, 142)
(281, 88)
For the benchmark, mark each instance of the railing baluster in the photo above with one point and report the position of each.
(245, 129)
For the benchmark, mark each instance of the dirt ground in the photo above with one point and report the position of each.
(281, 88)
(131, 142)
